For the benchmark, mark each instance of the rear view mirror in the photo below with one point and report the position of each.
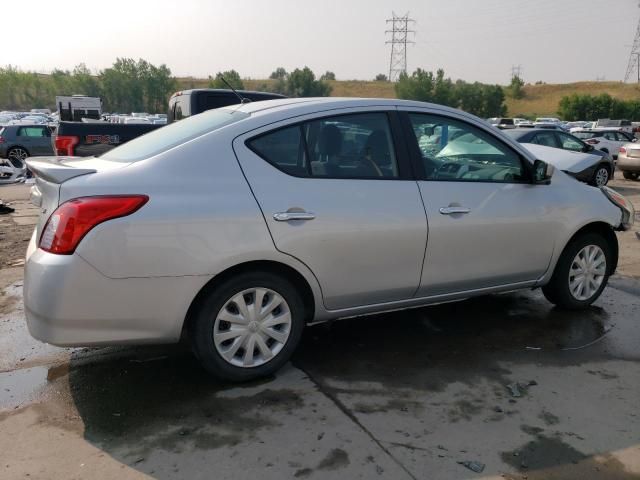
(542, 172)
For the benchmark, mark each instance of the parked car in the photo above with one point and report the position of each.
(629, 161)
(240, 226)
(620, 125)
(12, 171)
(522, 122)
(548, 122)
(608, 141)
(597, 173)
(17, 142)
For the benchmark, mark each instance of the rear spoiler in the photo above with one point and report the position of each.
(53, 169)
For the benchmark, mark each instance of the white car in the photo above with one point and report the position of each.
(608, 141)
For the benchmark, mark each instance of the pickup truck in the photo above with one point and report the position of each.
(96, 137)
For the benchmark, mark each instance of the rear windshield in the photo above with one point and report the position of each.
(172, 135)
(506, 121)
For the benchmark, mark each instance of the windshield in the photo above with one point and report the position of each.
(173, 135)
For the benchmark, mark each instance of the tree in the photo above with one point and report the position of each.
(231, 76)
(278, 74)
(515, 87)
(303, 83)
(381, 77)
(328, 76)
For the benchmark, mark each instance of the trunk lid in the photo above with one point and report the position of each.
(51, 172)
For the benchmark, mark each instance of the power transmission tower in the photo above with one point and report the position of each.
(634, 58)
(516, 71)
(399, 39)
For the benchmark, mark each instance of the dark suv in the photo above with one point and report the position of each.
(190, 102)
(18, 142)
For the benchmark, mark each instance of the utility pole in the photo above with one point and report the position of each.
(399, 39)
(634, 57)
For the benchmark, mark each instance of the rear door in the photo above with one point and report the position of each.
(487, 223)
(337, 193)
(25, 140)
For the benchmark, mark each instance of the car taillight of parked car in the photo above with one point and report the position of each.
(65, 143)
(72, 220)
(622, 150)
(1, 139)
(592, 141)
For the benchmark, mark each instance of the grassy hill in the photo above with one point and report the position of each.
(539, 100)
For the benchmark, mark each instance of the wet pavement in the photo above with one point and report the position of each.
(502, 386)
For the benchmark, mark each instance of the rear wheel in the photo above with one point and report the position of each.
(17, 153)
(581, 273)
(248, 327)
(600, 176)
(631, 175)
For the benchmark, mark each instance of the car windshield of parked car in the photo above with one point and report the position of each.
(173, 135)
(586, 135)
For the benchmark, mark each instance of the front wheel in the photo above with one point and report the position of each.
(600, 176)
(581, 273)
(248, 327)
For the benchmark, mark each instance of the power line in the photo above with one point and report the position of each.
(399, 39)
(516, 71)
(634, 57)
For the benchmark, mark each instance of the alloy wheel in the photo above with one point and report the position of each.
(587, 272)
(602, 177)
(18, 154)
(252, 327)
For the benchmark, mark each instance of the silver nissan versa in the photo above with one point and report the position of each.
(239, 226)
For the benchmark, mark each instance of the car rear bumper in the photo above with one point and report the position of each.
(630, 164)
(69, 303)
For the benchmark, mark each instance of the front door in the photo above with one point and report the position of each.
(337, 194)
(487, 223)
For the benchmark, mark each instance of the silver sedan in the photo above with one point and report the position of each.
(240, 226)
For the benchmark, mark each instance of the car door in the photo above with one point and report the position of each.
(487, 222)
(41, 140)
(337, 193)
(25, 140)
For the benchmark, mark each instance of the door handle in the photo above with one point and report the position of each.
(454, 210)
(288, 216)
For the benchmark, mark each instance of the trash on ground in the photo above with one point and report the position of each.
(607, 329)
(473, 466)
(514, 389)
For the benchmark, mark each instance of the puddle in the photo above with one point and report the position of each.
(21, 386)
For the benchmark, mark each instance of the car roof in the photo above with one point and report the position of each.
(225, 91)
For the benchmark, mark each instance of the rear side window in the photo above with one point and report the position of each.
(547, 139)
(32, 132)
(345, 146)
(162, 139)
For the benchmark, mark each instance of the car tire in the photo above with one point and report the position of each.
(220, 345)
(601, 176)
(563, 289)
(17, 153)
(631, 175)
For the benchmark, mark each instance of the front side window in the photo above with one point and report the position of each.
(547, 139)
(456, 151)
(570, 143)
(345, 146)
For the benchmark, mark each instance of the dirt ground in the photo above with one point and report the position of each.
(502, 386)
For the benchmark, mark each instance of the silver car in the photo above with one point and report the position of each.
(238, 227)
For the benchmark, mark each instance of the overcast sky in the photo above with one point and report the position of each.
(553, 40)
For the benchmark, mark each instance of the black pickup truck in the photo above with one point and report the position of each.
(86, 139)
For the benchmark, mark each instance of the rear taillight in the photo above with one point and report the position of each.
(65, 144)
(1, 140)
(622, 150)
(72, 220)
(592, 141)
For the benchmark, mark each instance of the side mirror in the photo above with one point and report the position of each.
(542, 172)
(588, 148)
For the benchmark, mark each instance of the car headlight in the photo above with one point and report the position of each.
(628, 212)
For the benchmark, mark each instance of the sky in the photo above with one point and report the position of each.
(554, 41)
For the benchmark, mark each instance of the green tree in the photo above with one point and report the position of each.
(278, 74)
(381, 77)
(515, 87)
(231, 76)
(303, 83)
(328, 76)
